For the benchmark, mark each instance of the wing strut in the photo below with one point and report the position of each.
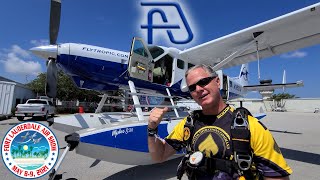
(238, 52)
(101, 103)
(172, 103)
(136, 101)
(258, 57)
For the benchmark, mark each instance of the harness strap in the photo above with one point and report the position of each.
(188, 129)
(240, 133)
(241, 140)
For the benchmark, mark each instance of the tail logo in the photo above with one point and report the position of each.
(244, 73)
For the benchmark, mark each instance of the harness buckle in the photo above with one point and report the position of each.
(243, 161)
(239, 121)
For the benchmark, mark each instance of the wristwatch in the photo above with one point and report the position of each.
(152, 132)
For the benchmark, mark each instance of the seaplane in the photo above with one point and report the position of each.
(121, 138)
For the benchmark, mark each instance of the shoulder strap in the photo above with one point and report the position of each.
(240, 138)
(188, 131)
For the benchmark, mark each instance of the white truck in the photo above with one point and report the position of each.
(35, 108)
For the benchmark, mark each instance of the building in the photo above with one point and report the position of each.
(11, 94)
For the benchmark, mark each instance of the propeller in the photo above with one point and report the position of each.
(55, 12)
(52, 70)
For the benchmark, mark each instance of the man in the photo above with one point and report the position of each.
(211, 134)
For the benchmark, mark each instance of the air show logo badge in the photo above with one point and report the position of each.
(30, 150)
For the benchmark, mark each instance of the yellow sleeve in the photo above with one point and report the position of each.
(177, 132)
(175, 138)
(267, 155)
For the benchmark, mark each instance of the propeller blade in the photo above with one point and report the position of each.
(52, 74)
(55, 12)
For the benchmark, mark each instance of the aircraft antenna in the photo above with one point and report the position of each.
(258, 56)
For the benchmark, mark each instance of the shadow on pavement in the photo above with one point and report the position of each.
(302, 156)
(164, 170)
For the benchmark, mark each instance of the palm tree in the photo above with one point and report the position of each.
(31, 148)
(278, 97)
(46, 152)
(13, 152)
(42, 154)
(20, 149)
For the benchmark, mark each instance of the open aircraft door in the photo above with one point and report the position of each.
(140, 61)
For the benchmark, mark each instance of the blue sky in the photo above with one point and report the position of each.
(113, 23)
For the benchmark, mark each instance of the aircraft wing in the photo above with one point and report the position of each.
(286, 33)
(266, 87)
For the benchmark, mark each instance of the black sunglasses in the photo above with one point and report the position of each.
(202, 83)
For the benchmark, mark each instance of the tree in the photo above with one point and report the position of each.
(38, 85)
(66, 89)
(278, 97)
(31, 148)
(20, 149)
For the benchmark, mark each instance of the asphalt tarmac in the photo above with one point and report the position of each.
(297, 134)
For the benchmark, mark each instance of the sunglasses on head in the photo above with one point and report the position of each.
(202, 83)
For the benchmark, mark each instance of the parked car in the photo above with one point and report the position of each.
(35, 108)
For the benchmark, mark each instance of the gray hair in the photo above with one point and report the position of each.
(207, 68)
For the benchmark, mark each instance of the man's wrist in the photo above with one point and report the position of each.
(152, 132)
(152, 125)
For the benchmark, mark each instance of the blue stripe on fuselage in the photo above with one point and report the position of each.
(89, 84)
(132, 138)
(94, 69)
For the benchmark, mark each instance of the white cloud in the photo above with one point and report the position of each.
(19, 51)
(295, 54)
(40, 42)
(18, 61)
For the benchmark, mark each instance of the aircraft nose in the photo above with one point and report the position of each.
(45, 51)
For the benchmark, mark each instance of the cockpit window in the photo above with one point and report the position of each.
(155, 51)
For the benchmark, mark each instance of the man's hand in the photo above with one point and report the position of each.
(156, 116)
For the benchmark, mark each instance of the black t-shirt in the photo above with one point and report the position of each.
(212, 136)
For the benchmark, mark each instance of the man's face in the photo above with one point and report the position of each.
(206, 96)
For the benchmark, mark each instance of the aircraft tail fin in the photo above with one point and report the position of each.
(244, 74)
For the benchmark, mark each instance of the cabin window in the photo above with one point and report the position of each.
(180, 64)
(139, 48)
(155, 51)
(190, 65)
(162, 72)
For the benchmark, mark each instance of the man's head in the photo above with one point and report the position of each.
(204, 86)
